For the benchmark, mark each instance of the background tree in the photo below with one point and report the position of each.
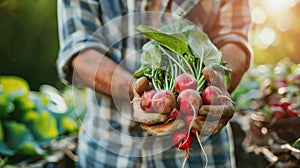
(29, 41)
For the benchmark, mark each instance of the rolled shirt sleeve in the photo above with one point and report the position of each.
(231, 25)
(78, 20)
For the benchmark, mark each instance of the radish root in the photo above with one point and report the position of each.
(187, 154)
(187, 151)
(198, 139)
(201, 146)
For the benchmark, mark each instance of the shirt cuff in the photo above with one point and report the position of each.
(239, 41)
(73, 47)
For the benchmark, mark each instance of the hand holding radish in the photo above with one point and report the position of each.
(154, 122)
(180, 90)
(160, 113)
(217, 105)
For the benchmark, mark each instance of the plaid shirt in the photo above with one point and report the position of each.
(109, 136)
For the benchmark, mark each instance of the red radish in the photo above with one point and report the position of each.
(280, 83)
(188, 120)
(293, 110)
(163, 101)
(185, 81)
(146, 101)
(211, 96)
(189, 101)
(274, 100)
(284, 103)
(278, 115)
(174, 114)
(182, 140)
(277, 112)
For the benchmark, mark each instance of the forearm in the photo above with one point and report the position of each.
(94, 70)
(230, 34)
(237, 61)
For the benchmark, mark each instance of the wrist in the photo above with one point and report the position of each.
(237, 62)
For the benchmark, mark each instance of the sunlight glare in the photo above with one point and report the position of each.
(258, 15)
(283, 23)
(278, 6)
(267, 36)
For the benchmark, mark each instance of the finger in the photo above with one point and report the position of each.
(198, 124)
(217, 111)
(163, 129)
(209, 127)
(149, 118)
(205, 127)
(222, 123)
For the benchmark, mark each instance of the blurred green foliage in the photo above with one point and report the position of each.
(29, 41)
(31, 120)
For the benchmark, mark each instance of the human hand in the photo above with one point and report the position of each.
(153, 122)
(213, 116)
(237, 60)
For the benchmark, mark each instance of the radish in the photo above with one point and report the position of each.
(146, 101)
(174, 114)
(284, 103)
(212, 95)
(182, 140)
(280, 83)
(185, 81)
(277, 112)
(189, 120)
(189, 101)
(163, 101)
(274, 100)
(293, 110)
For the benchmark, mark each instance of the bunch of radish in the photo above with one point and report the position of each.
(273, 92)
(176, 74)
(273, 89)
(282, 98)
(182, 102)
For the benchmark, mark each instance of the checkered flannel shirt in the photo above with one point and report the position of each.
(109, 136)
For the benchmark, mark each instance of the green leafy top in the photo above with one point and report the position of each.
(175, 42)
(187, 50)
(183, 38)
